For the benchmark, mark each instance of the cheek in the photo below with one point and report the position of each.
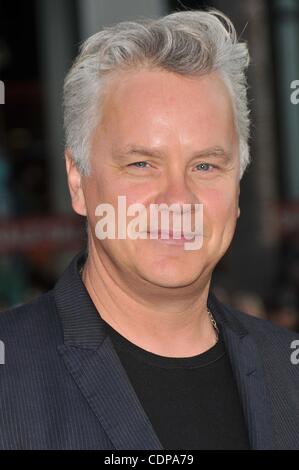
(134, 193)
(220, 206)
(98, 191)
(94, 195)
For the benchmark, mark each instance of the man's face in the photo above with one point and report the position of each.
(182, 128)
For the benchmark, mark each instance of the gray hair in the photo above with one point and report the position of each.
(187, 43)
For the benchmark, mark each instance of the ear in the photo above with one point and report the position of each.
(239, 212)
(75, 184)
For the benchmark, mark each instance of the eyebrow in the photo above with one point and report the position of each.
(140, 150)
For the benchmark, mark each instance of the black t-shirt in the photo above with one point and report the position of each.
(192, 402)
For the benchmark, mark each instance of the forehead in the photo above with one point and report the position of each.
(157, 104)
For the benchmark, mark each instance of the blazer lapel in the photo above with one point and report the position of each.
(249, 375)
(103, 382)
(92, 361)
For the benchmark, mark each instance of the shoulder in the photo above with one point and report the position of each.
(262, 328)
(276, 344)
(31, 323)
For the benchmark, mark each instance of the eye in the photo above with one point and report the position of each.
(204, 166)
(140, 164)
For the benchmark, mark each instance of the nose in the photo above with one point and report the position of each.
(179, 205)
(176, 189)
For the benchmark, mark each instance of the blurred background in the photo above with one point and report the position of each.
(39, 234)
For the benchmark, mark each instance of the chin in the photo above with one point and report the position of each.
(171, 282)
(169, 274)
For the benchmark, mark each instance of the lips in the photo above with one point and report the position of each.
(170, 235)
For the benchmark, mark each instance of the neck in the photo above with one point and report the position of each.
(157, 319)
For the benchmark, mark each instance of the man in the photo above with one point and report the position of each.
(131, 350)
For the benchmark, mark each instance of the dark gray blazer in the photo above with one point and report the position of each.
(63, 386)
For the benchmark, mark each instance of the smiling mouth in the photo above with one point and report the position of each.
(171, 236)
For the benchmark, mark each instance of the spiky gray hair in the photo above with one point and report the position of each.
(188, 43)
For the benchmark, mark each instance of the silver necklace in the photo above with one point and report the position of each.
(214, 324)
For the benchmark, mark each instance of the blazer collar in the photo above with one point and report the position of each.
(249, 373)
(87, 348)
(91, 359)
(82, 323)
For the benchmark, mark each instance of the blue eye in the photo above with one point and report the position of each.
(204, 166)
(139, 164)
